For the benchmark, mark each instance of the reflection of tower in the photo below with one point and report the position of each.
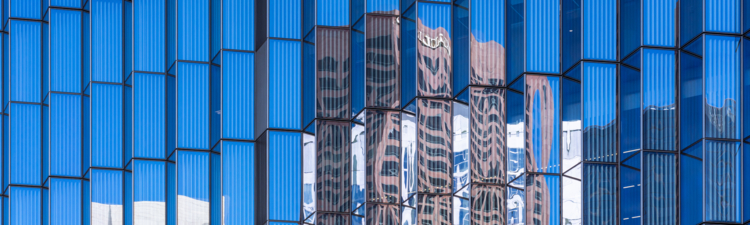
(488, 206)
(333, 167)
(383, 61)
(434, 62)
(332, 84)
(540, 120)
(383, 135)
(487, 135)
(537, 200)
(721, 121)
(487, 62)
(435, 148)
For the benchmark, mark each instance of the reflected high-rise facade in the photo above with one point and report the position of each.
(382, 112)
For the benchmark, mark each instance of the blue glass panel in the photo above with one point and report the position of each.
(171, 33)
(127, 45)
(25, 68)
(193, 30)
(406, 3)
(461, 142)
(630, 195)
(409, 156)
(659, 113)
(571, 124)
(149, 197)
(64, 201)
(24, 205)
(238, 79)
(238, 28)
(408, 56)
(600, 30)
(434, 60)
(723, 16)
(600, 193)
(516, 40)
(64, 57)
(192, 106)
(284, 85)
(516, 206)
(359, 69)
(309, 16)
(171, 114)
(691, 188)
(630, 26)
(106, 196)
(65, 135)
(543, 112)
(308, 175)
(543, 36)
(659, 184)
(333, 13)
(193, 187)
(284, 19)
(25, 145)
(149, 115)
(461, 49)
(66, 3)
(383, 6)
(722, 87)
(488, 43)
(544, 194)
(571, 25)
(358, 167)
(723, 166)
(516, 136)
(216, 103)
(284, 176)
(216, 189)
(107, 40)
(746, 180)
(630, 96)
(659, 23)
(461, 213)
(746, 86)
(238, 177)
(691, 99)
(171, 195)
(149, 36)
(600, 112)
(24, 9)
(691, 19)
(106, 125)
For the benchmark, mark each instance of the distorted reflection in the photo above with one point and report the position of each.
(542, 199)
(487, 135)
(333, 166)
(308, 176)
(358, 162)
(434, 63)
(333, 73)
(409, 156)
(383, 61)
(543, 123)
(460, 145)
(434, 209)
(383, 140)
(434, 146)
(488, 206)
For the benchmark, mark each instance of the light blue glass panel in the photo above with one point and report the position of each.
(65, 135)
(25, 145)
(284, 84)
(600, 112)
(308, 175)
(149, 115)
(238, 79)
(659, 113)
(107, 40)
(659, 23)
(723, 15)
(722, 169)
(383, 6)
(149, 198)
(461, 140)
(25, 68)
(659, 184)
(571, 124)
(64, 201)
(408, 156)
(516, 137)
(64, 59)
(238, 182)
(149, 24)
(238, 28)
(543, 36)
(24, 9)
(127, 30)
(543, 107)
(106, 196)
(284, 175)
(284, 19)
(24, 206)
(106, 125)
(516, 206)
(193, 30)
(600, 193)
(192, 106)
(722, 87)
(571, 201)
(359, 163)
(171, 33)
(333, 13)
(66, 3)
(600, 29)
(193, 187)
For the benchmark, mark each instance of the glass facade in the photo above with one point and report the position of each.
(382, 112)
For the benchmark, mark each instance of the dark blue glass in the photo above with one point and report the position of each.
(571, 35)
(359, 69)
(516, 36)
(630, 195)
(746, 86)
(659, 108)
(309, 81)
(659, 174)
(630, 26)
(461, 49)
(408, 56)
(600, 112)
(722, 181)
(746, 180)
(600, 194)
(722, 87)
(543, 36)
(691, 99)
(691, 188)
(691, 14)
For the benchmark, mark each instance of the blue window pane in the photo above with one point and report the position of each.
(600, 30)
(64, 201)
(333, 13)
(723, 163)
(571, 25)
(25, 146)
(192, 106)
(149, 185)
(106, 125)
(600, 112)
(238, 79)
(65, 135)
(544, 192)
(691, 190)
(24, 206)
(691, 99)
(193, 187)
(461, 49)
(149, 125)
(149, 36)
(723, 16)
(659, 21)
(64, 46)
(25, 68)
(630, 26)
(284, 19)
(543, 107)
(24, 9)
(630, 195)
(284, 164)
(238, 182)
(408, 56)
(571, 120)
(107, 40)
(600, 193)
(722, 87)
(106, 195)
(284, 85)
(434, 36)
(659, 184)
(659, 106)
(238, 24)
(382, 6)
(543, 36)
(488, 42)
(359, 69)
(193, 30)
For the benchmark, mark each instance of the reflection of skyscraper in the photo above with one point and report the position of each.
(333, 167)
(434, 63)
(383, 61)
(435, 151)
(333, 73)
(487, 135)
(540, 124)
(383, 135)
